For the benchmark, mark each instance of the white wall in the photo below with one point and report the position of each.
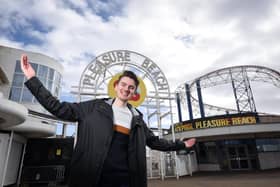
(14, 160)
(269, 160)
(187, 164)
(14, 163)
(4, 141)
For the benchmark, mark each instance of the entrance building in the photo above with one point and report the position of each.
(234, 142)
(230, 155)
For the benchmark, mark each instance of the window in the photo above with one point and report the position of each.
(35, 66)
(48, 76)
(43, 71)
(26, 95)
(56, 78)
(59, 128)
(49, 85)
(15, 94)
(268, 145)
(43, 80)
(50, 80)
(18, 68)
(51, 74)
(56, 91)
(57, 82)
(18, 80)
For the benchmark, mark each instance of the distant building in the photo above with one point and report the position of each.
(233, 142)
(20, 116)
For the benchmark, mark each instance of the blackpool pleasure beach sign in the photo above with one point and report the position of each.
(104, 68)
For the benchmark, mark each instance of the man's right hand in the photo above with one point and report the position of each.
(26, 67)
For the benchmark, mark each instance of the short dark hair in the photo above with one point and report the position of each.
(131, 75)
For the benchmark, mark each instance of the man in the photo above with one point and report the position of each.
(112, 135)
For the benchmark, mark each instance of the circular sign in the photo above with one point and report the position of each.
(137, 98)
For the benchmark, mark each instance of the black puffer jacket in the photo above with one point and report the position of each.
(95, 132)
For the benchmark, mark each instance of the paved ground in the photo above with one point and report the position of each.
(269, 178)
(221, 179)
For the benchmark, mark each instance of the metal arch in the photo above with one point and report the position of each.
(224, 76)
(90, 64)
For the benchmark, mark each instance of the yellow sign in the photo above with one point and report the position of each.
(58, 152)
(216, 122)
(183, 127)
(243, 120)
(138, 97)
(212, 123)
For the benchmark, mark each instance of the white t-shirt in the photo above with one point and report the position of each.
(122, 119)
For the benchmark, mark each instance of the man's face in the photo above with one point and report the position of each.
(125, 88)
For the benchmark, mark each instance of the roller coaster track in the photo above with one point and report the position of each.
(239, 77)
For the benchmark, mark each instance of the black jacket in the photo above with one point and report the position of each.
(95, 131)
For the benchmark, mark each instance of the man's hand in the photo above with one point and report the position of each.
(26, 67)
(190, 142)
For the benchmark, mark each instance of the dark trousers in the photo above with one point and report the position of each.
(113, 185)
(113, 181)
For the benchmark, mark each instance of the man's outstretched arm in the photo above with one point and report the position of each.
(62, 110)
(154, 142)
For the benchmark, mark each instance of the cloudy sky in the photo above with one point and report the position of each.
(185, 38)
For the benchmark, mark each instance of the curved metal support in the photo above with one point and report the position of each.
(240, 78)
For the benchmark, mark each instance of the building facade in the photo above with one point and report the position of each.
(20, 117)
(233, 142)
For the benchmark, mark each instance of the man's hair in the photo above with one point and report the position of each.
(131, 75)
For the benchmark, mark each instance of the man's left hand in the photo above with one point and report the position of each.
(190, 142)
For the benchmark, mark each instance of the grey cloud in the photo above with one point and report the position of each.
(107, 9)
(248, 14)
(247, 11)
(266, 97)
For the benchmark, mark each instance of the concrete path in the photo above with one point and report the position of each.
(216, 179)
(223, 179)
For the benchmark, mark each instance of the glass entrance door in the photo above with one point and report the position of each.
(238, 157)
